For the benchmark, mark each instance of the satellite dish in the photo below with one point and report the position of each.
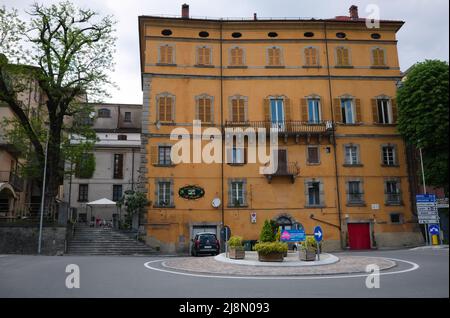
(215, 202)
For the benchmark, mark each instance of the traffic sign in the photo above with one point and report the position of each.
(293, 235)
(318, 234)
(434, 229)
(225, 233)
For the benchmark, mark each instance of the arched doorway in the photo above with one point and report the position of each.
(287, 222)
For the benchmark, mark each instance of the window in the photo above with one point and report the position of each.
(308, 34)
(236, 34)
(311, 56)
(122, 137)
(392, 192)
(204, 109)
(117, 192)
(165, 108)
(383, 111)
(341, 35)
(127, 117)
(354, 192)
(389, 156)
(272, 34)
(104, 113)
(313, 193)
(313, 155)
(85, 167)
(351, 155)
(396, 218)
(237, 193)
(237, 155)
(164, 158)
(342, 56)
(237, 56)
(238, 109)
(83, 190)
(164, 198)
(375, 36)
(203, 56)
(166, 54)
(274, 56)
(313, 110)
(277, 111)
(118, 166)
(166, 32)
(378, 57)
(203, 34)
(347, 111)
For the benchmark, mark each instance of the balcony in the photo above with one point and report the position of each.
(288, 128)
(393, 198)
(289, 169)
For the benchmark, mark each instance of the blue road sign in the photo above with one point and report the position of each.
(293, 235)
(421, 198)
(433, 229)
(318, 234)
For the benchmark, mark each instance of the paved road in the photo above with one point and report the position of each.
(108, 276)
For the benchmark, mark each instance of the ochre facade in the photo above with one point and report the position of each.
(335, 188)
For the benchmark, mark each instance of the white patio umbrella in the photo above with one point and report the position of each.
(100, 203)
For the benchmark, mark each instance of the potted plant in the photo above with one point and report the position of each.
(236, 249)
(308, 249)
(268, 249)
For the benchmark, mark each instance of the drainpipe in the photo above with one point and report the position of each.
(334, 138)
(221, 125)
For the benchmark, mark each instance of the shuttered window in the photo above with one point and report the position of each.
(204, 56)
(165, 108)
(378, 57)
(166, 54)
(311, 57)
(313, 155)
(118, 166)
(342, 56)
(204, 109)
(237, 56)
(164, 158)
(274, 56)
(83, 190)
(238, 109)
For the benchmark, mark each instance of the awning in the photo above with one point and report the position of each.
(103, 201)
(7, 186)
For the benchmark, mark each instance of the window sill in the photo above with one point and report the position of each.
(163, 166)
(344, 66)
(356, 165)
(275, 66)
(356, 204)
(313, 163)
(237, 206)
(164, 206)
(350, 124)
(167, 123)
(385, 124)
(236, 164)
(390, 166)
(312, 66)
(380, 67)
(320, 206)
(237, 66)
(393, 203)
(166, 64)
(204, 66)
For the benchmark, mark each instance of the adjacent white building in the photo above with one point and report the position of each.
(117, 160)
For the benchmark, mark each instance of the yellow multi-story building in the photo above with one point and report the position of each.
(327, 86)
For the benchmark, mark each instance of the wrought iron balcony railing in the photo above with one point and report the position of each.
(289, 169)
(291, 127)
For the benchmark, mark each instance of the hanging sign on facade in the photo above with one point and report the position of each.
(191, 192)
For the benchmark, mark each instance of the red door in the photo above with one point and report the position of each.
(359, 236)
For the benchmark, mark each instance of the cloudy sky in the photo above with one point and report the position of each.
(424, 36)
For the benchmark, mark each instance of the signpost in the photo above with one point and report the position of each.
(225, 234)
(293, 235)
(318, 235)
(427, 212)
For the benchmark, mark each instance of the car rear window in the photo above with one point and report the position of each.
(210, 237)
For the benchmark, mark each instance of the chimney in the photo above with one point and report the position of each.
(354, 12)
(255, 17)
(185, 11)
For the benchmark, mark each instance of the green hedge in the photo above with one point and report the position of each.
(271, 247)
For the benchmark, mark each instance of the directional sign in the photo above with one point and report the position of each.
(427, 211)
(434, 229)
(318, 234)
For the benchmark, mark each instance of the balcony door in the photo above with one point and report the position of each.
(282, 161)
(277, 114)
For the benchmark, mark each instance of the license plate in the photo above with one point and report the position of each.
(207, 246)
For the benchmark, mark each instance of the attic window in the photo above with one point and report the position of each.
(236, 34)
(341, 35)
(375, 36)
(308, 34)
(203, 34)
(272, 34)
(166, 32)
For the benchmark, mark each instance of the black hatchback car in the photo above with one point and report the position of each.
(205, 243)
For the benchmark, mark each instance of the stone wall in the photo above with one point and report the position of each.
(398, 239)
(23, 239)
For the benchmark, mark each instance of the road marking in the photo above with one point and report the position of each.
(413, 268)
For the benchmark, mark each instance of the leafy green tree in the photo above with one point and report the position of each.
(423, 107)
(135, 203)
(69, 55)
(267, 234)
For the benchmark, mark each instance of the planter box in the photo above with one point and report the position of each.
(306, 255)
(272, 257)
(236, 253)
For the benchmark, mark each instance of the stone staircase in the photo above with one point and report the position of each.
(104, 241)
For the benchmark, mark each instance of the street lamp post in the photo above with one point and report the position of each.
(43, 194)
(424, 192)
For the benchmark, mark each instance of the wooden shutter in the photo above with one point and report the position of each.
(234, 56)
(234, 110)
(154, 155)
(169, 55)
(168, 111)
(277, 56)
(374, 103)
(240, 56)
(381, 57)
(337, 110)
(304, 109)
(308, 56)
(207, 56)
(161, 108)
(271, 56)
(267, 113)
(287, 109)
(241, 109)
(162, 54)
(358, 110)
(345, 56)
(200, 56)
(201, 109)
(394, 110)
(375, 57)
(314, 57)
(207, 116)
(339, 56)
